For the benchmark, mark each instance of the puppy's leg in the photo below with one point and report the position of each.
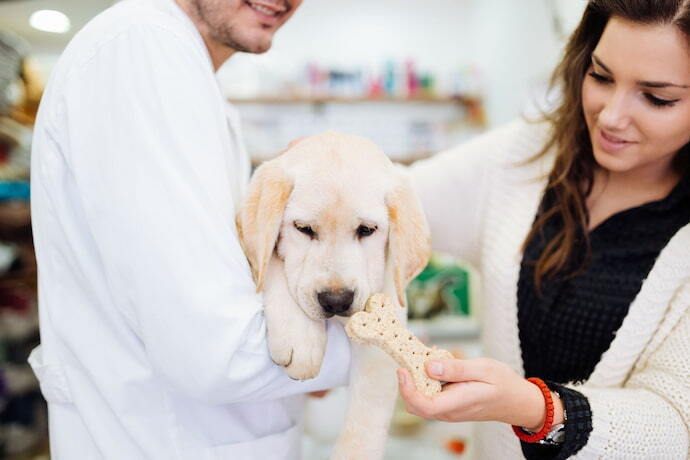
(295, 341)
(373, 391)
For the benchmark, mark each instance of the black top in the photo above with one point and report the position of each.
(565, 331)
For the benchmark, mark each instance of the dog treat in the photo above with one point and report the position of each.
(378, 325)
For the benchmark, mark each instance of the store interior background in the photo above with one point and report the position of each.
(416, 77)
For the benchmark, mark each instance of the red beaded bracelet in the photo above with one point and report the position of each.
(531, 438)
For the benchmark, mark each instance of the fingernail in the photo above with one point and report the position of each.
(401, 378)
(436, 368)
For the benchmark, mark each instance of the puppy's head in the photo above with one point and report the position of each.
(342, 218)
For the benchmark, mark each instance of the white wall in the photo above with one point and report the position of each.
(512, 43)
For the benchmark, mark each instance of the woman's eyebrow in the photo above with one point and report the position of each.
(648, 84)
(598, 62)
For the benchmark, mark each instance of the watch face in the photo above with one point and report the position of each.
(555, 436)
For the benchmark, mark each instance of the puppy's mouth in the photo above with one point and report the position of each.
(345, 314)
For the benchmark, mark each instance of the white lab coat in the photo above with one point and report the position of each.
(153, 337)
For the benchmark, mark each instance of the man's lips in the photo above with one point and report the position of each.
(267, 8)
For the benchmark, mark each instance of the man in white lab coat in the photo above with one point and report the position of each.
(153, 337)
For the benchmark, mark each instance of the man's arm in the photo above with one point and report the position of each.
(149, 157)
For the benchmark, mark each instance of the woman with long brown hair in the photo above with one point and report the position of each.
(580, 226)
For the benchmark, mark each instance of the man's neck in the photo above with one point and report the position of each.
(218, 52)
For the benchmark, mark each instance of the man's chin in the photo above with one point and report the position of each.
(259, 46)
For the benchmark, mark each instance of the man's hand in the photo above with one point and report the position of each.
(292, 143)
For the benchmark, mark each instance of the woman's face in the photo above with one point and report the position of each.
(636, 97)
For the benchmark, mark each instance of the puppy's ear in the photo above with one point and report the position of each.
(259, 219)
(409, 242)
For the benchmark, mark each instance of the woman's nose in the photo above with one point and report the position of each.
(615, 115)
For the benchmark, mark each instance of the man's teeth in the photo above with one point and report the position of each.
(262, 9)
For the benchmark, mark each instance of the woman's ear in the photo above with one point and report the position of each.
(409, 242)
(260, 218)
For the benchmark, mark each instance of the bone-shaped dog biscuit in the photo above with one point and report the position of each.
(378, 325)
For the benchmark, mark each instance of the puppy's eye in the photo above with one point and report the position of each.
(364, 231)
(306, 229)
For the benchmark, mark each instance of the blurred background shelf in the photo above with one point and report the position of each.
(463, 100)
(406, 128)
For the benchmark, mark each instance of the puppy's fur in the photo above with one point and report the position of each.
(333, 215)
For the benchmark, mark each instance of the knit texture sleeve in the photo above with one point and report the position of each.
(454, 186)
(577, 427)
(650, 416)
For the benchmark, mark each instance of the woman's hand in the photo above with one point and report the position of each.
(480, 389)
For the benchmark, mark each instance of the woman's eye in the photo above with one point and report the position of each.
(306, 229)
(599, 77)
(660, 102)
(363, 231)
(655, 101)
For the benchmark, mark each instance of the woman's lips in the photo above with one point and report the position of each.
(611, 143)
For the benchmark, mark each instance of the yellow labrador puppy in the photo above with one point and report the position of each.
(324, 226)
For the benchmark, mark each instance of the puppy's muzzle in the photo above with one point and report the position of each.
(336, 301)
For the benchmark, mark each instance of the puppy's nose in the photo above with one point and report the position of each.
(336, 301)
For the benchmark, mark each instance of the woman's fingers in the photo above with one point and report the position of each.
(475, 390)
(459, 370)
(447, 406)
(416, 403)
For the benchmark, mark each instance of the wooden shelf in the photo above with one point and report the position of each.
(357, 100)
(472, 105)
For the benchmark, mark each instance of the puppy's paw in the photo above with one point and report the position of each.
(299, 347)
(306, 360)
(281, 351)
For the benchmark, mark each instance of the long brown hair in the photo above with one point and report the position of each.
(572, 176)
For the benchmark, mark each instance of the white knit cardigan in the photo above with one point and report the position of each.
(480, 199)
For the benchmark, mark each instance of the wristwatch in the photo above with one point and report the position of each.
(556, 436)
